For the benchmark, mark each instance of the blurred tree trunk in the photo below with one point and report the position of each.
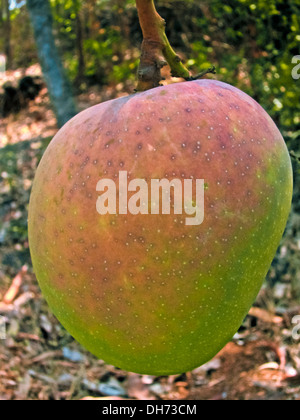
(58, 84)
(7, 34)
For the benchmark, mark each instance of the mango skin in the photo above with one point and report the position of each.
(147, 293)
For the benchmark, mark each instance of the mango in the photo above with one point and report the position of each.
(146, 291)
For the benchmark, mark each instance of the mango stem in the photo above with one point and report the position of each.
(156, 49)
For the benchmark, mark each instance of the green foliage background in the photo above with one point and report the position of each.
(252, 44)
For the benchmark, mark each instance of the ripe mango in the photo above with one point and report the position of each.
(147, 292)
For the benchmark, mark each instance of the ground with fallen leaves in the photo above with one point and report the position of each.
(39, 359)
